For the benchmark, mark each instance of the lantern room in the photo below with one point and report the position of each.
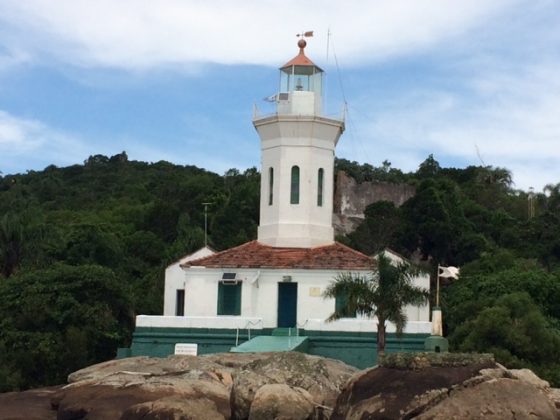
(301, 85)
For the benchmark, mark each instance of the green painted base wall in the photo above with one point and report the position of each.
(356, 349)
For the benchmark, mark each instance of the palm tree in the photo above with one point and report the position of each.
(383, 293)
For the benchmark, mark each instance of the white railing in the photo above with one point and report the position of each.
(298, 326)
(231, 322)
(248, 328)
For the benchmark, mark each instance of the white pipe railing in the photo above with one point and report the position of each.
(298, 326)
(248, 328)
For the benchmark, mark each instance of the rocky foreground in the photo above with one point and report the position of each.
(290, 386)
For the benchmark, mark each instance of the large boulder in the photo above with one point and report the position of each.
(286, 385)
(29, 405)
(444, 386)
(323, 378)
(280, 401)
(187, 387)
(498, 399)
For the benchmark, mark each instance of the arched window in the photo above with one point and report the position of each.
(270, 185)
(320, 177)
(294, 191)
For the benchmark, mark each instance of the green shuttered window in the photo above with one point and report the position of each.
(270, 185)
(294, 191)
(229, 298)
(320, 177)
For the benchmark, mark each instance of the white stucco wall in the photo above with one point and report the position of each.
(175, 279)
(259, 297)
(309, 143)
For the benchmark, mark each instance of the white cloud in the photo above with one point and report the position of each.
(12, 59)
(135, 34)
(28, 139)
(512, 120)
(493, 82)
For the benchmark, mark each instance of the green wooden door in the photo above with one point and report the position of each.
(287, 305)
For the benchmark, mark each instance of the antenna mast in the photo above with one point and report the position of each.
(206, 223)
(531, 203)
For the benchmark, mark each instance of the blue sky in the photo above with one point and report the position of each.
(470, 82)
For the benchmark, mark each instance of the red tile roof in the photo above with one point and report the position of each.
(299, 60)
(256, 255)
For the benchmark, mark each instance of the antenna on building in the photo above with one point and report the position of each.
(206, 223)
(478, 154)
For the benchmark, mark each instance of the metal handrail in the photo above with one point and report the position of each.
(298, 326)
(248, 327)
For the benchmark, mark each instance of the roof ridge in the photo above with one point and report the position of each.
(190, 263)
(352, 249)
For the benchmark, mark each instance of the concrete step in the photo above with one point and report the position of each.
(264, 343)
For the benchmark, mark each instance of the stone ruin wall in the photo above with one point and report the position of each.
(352, 198)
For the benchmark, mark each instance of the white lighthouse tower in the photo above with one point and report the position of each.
(297, 157)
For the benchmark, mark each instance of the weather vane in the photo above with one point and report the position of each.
(307, 34)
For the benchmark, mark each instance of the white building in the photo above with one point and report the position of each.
(277, 281)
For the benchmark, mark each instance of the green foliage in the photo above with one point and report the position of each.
(384, 293)
(506, 300)
(121, 222)
(366, 172)
(515, 329)
(117, 222)
(56, 320)
(510, 307)
(379, 229)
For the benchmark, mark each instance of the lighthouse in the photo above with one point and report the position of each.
(268, 294)
(297, 157)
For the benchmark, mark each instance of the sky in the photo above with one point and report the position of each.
(472, 82)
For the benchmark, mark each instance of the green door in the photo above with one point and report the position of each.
(287, 305)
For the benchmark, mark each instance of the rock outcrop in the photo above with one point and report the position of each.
(291, 386)
(218, 386)
(351, 199)
(444, 386)
(281, 401)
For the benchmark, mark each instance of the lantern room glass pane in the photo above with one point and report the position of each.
(302, 78)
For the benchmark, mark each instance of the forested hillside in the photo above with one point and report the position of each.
(83, 250)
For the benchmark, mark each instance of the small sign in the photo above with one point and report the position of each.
(186, 349)
(315, 291)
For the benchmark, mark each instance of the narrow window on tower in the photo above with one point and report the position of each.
(294, 192)
(320, 187)
(270, 185)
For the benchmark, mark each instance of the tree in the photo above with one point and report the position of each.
(515, 329)
(429, 168)
(57, 320)
(378, 230)
(383, 293)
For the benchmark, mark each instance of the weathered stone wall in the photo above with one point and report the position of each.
(352, 198)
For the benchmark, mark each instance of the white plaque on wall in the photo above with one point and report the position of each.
(186, 349)
(315, 291)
